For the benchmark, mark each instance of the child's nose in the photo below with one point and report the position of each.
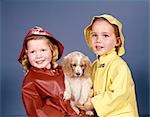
(99, 39)
(38, 54)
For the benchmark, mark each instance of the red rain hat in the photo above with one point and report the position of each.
(40, 31)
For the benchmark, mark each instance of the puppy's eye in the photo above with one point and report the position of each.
(74, 65)
(82, 65)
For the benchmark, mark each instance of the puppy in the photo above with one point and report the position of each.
(78, 84)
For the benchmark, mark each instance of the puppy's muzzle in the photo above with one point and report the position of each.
(78, 74)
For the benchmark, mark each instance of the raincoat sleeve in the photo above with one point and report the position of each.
(117, 90)
(31, 100)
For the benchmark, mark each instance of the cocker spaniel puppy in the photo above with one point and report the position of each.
(78, 84)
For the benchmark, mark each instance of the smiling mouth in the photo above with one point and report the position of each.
(39, 62)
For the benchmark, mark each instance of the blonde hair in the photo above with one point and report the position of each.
(54, 49)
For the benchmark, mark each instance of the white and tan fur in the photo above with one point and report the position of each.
(78, 84)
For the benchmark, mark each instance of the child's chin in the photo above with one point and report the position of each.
(99, 53)
(40, 66)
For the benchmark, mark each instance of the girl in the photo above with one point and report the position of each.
(43, 86)
(114, 91)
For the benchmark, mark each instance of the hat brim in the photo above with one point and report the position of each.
(112, 20)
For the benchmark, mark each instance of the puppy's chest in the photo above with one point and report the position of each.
(76, 85)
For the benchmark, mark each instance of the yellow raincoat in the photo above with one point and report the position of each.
(114, 91)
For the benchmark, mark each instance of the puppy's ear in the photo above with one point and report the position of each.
(66, 65)
(63, 64)
(88, 67)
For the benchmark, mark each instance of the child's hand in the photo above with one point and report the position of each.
(87, 106)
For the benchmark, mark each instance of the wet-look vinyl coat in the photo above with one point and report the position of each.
(42, 93)
(42, 89)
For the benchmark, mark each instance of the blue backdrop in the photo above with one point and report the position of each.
(66, 20)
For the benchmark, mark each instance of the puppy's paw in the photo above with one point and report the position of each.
(74, 107)
(76, 110)
(90, 113)
(82, 101)
(67, 95)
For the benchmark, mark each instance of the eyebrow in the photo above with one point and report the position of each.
(98, 33)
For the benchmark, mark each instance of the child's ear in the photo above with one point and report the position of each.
(26, 51)
(118, 41)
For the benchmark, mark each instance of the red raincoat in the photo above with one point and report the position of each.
(42, 93)
(42, 89)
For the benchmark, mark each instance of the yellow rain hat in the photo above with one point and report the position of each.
(111, 20)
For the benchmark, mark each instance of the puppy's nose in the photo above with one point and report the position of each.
(78, 74)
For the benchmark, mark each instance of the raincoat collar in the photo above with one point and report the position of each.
(40, 31)
(50, 72)
(103, 60)
(112, 20)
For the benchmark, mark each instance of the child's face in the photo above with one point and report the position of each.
(103, 38)
(39, 53)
